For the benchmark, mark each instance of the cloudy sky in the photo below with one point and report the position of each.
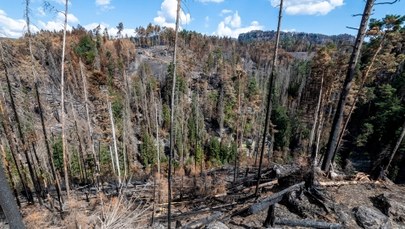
(211, 17)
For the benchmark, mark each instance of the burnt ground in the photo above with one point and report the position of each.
(214, 200)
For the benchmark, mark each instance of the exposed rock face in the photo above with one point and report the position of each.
(288, 38)
(371, 218)
(217, 225)
(392, 206)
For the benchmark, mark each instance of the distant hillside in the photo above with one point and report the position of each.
(297, 41)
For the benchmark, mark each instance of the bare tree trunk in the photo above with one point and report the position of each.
(90, 129)
(34, 73)
(62, 92)
(10, 176)
(80, 152)
(316, 121)
(401, 137)
(20, 133)
(338, 118)
(356, 98)
(172, 126)
(8, 203)
(157, 138)
(112, 161)
(115, 144)
(269, 96)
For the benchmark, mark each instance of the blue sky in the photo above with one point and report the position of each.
(211, 17)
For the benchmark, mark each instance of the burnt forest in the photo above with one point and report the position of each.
(173, 128)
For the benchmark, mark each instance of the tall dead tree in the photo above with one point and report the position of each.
(10, 176)
(4, 117)
(17, 119)
(269, 96)
(62, 92)
(41, 114)
(7, 202)
(89, 126)
(338, 118)
(172, 124)
(117, 161)
(394, 151)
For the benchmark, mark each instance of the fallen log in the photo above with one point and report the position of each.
(195, 212)
(271, 183)
(307, 223)
(204, 221)
(275, 198)
(339, 183)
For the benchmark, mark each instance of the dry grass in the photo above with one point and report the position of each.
(121, 213)
(33, 218)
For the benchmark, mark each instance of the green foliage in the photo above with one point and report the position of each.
(86, 48)
(252, 88)
(117, 107)
(389, 107)
(75, 164)
(105, 157)
(293, 89)
(215, 149)
(58, 153)
(227, 151)
(283, 126)
(148, 150)
(199, 154)
(230, 115)
(181, 84)
(166, 116)
(366, 131)
(213, 97)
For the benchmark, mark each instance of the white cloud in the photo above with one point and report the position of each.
(103, 2)
(10, 27)
(214, 1)
(308, 7)
(167, 14)
(231, 26)
(105, 5)
(207, 22)
(234, 20)
(112, 31)
(289, 30)
(41, 11)
(225, 11)
(62, 2)
(57, 23)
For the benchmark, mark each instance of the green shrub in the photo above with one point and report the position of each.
(86, 48)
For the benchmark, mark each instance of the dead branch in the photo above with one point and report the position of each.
(204, 221)
(339, 183)
(275, 198)
(307, 223)
(385, 3)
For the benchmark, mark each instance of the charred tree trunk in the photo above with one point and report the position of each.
(8, 203)
(48, 148)
(172, 126)
(90, 129)
(352, 107)
(20, 133)
(338, 118)
(10, 176)
(18, 164)
(401, 137)
(269, 96)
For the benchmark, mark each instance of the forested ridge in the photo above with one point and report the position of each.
(102, 160)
